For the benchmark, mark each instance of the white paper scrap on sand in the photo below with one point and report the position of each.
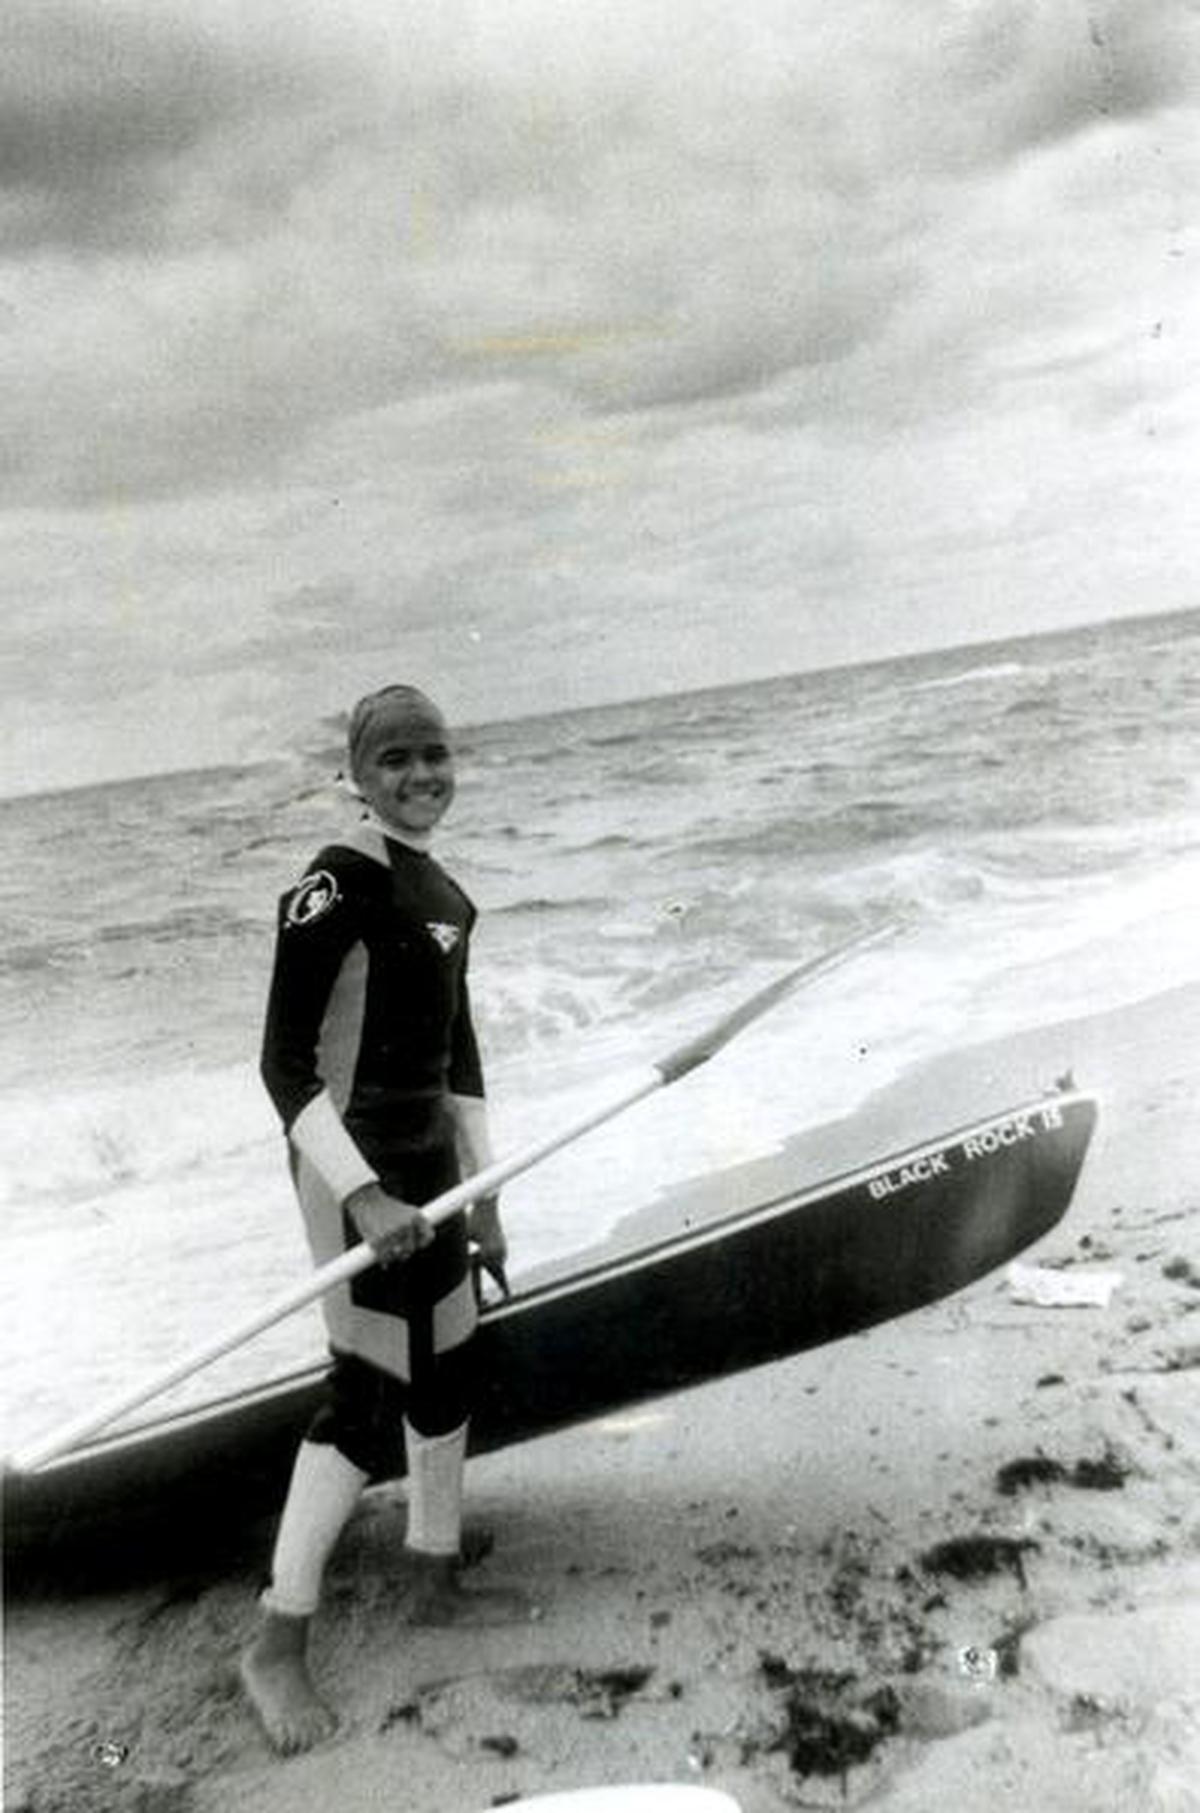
(633, 1797)
(1061, 1290)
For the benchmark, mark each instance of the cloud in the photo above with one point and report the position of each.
(107, 112)
(336, 338)
(229, 227)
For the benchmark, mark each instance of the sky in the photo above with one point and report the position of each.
(549, 352)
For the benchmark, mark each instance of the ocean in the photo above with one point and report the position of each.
(1026, 815)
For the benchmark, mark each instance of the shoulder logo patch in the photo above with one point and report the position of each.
(444, 936)
(314, 897)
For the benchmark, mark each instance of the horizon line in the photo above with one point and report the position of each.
(467, 724)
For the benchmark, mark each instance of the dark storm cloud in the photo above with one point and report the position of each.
(101, 109)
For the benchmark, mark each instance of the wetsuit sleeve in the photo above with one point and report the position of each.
(466, 1070)
(316, 931)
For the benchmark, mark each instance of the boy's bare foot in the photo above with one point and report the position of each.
(275, 1675)
(437, 1596)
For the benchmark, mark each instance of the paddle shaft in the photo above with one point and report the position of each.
(660, 1074)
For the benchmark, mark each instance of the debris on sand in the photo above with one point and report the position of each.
(1007, 1647)
(1087, 1713)
(1046, 1288)
(71, 1788)
(408, 1712)
(600, 1693)
(978, 1557)
(828, 1724)
(779, 1674)
(1028, 1470)
(720, 1554)
(1107, 1473)
(596, 1693)
(502, 1744)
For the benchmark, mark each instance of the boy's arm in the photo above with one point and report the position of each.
(473, 1136)
(316, 931)
(474, 1141)
(472, 1133)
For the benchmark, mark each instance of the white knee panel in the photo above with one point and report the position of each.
(324, 1490)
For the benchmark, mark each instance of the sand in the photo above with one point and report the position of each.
(953, 1562)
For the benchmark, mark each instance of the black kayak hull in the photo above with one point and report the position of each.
(768, 1281)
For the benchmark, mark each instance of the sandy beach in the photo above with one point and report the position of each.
(953, 1562)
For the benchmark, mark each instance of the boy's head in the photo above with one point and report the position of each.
(400, 758)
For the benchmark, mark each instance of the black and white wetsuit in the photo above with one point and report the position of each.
(368, 1034)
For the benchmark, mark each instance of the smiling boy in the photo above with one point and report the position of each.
(370, 1057)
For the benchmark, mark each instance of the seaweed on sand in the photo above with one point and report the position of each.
(827, 1726)
(979, 1556)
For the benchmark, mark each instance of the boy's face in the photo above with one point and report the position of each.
(405, 769)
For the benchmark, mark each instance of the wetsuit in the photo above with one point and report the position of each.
(368, 1034)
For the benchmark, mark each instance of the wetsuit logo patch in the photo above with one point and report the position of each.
(313, 898)
(444, 936)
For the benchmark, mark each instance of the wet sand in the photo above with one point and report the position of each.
(952, 1562)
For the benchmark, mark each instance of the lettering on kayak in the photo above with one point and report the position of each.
(1004, 1133)
(985, 1144)
(1010, 1132)
(919, 1170)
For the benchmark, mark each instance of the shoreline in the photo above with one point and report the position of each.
(824, 1552)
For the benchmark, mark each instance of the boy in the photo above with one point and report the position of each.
(370, 1056)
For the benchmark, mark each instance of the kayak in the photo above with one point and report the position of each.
(788, 1270)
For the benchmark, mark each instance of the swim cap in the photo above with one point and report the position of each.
(392, 712)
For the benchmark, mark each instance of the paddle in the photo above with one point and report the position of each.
(662, 1072)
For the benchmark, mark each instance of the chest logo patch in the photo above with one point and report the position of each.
(444, 936)
(316, 895)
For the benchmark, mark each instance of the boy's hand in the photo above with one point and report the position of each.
(487, 1237)
(395, 1229)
